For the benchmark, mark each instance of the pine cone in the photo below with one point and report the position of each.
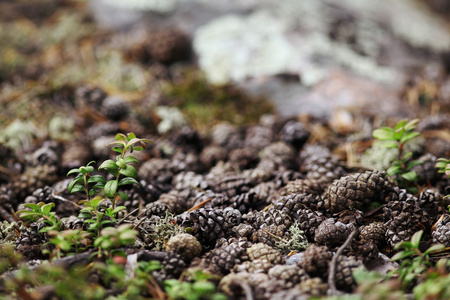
(345, 266)
(292, 203)
(230, 184)
(427, 170)
(402, 228)
(243, 158)
(270, 234)
(186, 180)
(32, 179)
(115, 108)
(157, 169)
(441, 234)
(356, 191)
(173, 265)
(258, 137)
(270, 217)
(186, 245)
(282, 154)
(30, 241)
(254, 266)
(263, 251)
(323, 171)
(294, 133)
(175, 200)
(227, 136)
(209, 224)
(228, 256)
(313, 287)
(316, 260)
(309, 220)
(8, 200)
(212, 154)
(291, 274)
(167, 45)
(331, 232)
(373, 233)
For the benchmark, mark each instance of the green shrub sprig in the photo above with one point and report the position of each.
(397, 137)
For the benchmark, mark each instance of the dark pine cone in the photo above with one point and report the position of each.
(186, 245)
(156, 209)
(209, 224)
(291, 274)
(316, 260)
(298, 186)
(243, 158)
(263, 251)
(30, 241)
(309, 220)
(286, 177)
(331, 232)
(228, 256)
(292, 203)
(156, 170)
(115, 108)
(270, 217)
(345, 266)
(167, 45)
(230, 184)
(46, 155)
(313, 287)
(441, 235)
(294, 133)
(356, 191)
(185, 180)
(176, 200)
(173, 265)
(227, 136)
(323, 171)
(255, 266)
(270, 234)
(282, 154)
(8, 200)
(427, 170)
(212, 154)
(258, 137)
(402, 228)
(374, 233)
(32, 179)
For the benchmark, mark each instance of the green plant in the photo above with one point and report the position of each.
(436, 283)
(111, 238)
(67, 242)
(443, 166)
(96, 215)
(41, 212)
(397, 137)
(414, 262)
(122, 166)
(200, 288)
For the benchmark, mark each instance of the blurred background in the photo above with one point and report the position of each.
(209, 59)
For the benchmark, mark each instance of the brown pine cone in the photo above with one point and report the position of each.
(441, 234)
(270, 234)
(373, 233)
(356, 191)
(323, 171)
(315, 260)
(309, 220)
(331, 232)
(254, 266)
(402, 228)
(345, 266)
(32, 179)
(186, 245)
(313, 287)
(228, 256)
(291, 274)
(263, 251)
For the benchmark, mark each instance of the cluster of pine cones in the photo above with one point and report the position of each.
(226, 203)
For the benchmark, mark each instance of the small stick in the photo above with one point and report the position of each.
(331, 277)
(64, 200)
(201, 204)
(127, 215)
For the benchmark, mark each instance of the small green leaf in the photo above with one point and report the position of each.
(79, 179)
(383, 134)
(108, 165)
(407, 155)
(410, 176)
(111, 188)
(411, 125)
(401, 255)
(123, 196)
(73, 171)
(415, 239)
(128, 180)
(399, 125)
(121, 137)
(129, 171)
(121, 163)
(117, 149)
(435, 247)
(46, 208)
(389, 145)
(77, 188)
(409, 136)
(132, 142)
(33, 206)
(118, 208)
(96, 178)
(131, 159)
(413, 163)
(131, 136)
(118, 143)
(394, 170)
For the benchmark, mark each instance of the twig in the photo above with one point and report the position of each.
(65, 200)
(201, 204)
(331, 276)
(128, 214)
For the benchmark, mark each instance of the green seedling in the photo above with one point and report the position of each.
(414, 262)
(111, 239)
(121, 169)
(396, 138)
(41, 212)
(67, 242)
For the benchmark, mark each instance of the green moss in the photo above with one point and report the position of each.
(205, 104)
